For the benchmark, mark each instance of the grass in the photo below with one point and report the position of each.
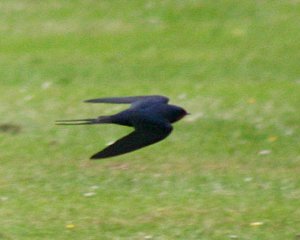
(229, 171)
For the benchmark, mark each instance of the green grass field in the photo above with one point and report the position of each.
(229, 171)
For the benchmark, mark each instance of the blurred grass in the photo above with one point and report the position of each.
(234, 65)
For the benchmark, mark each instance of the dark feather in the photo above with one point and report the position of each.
(137, 139)
(129, 100)
(86, 121)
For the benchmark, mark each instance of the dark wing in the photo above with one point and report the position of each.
(129, 100)
(139, 138)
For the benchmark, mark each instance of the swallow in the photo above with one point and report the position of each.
(150, 116)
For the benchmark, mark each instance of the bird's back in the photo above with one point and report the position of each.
(168, 112)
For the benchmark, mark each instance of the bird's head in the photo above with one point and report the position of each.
(179, 113)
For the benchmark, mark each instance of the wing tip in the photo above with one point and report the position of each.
(89, 101)
(96, 157)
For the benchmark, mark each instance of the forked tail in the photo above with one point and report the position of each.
(86, 121)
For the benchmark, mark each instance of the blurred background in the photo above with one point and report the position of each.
(228, 171)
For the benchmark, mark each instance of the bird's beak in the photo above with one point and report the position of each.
(188, 113)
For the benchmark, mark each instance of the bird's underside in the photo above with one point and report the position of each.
(147, 131)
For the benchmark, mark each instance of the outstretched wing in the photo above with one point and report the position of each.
(156, 98)
(137, 139)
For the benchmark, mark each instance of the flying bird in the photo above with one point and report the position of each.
(150, 116)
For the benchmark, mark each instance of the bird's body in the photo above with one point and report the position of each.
(151, 116)
(140, 113)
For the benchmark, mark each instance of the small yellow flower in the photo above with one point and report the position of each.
(70, 226)
(251, 100)
(256, 224)
(238, 32)
(272, 138)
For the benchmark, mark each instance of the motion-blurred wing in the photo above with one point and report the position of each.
(129, 100)
(137, 139)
